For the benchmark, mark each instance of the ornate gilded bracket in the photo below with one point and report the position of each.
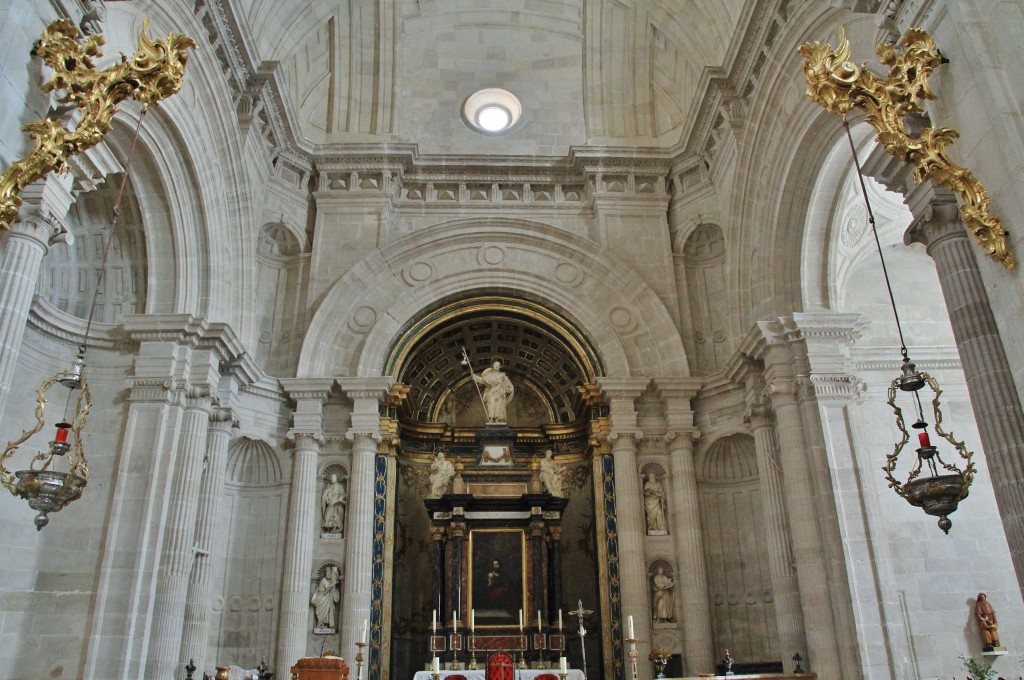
(839, 85)
(153, 73)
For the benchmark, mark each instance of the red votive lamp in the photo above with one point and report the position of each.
(922, 437)
(62, 432)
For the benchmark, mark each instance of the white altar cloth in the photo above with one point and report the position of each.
(520, 674)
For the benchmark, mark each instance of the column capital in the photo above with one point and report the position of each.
(223, 420)
(936, 218)
(622, 388)
(682, 435)
(295, 435)
(44, 206)
(308, 389)
(375, 388)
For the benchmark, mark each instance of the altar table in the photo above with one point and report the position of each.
(520, 674)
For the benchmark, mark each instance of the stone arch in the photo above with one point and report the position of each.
(368, 307)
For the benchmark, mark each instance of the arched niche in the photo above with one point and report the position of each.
(356, 324)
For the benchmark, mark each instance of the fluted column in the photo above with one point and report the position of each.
(691, 573)
(366, 395)
(210, 545)
(636, 599)
(785, 588)
(307, 432)
(994, 397)
(816, 603)
(359, 543)
(27, 242)
(176, 557)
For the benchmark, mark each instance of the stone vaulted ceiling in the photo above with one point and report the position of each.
(607, 72)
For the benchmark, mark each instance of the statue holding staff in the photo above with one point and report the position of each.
(497, 389)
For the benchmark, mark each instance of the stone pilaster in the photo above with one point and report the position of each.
(39, 227)
(366, 395)
(636, 601)
(307, 432)
(819, 623)
(785, 587)
(994, 396)
(179, 536)
(209, 541)
(691, 572)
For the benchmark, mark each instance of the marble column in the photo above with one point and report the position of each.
(458, 549)
(554, 573)
(307, 432)
(209, 544)
(28, 241)
(437, 562)
(537, 531)
(785, 587)
(819, 624)
(636, 597)
(177, 556)
(366, 395)
(994, 397)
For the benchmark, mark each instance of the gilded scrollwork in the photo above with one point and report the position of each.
(839, 85)
(153, 73)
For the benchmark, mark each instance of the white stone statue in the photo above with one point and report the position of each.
(654, 505)
(441, 473)
(498, 391)
(662, 596)
(332, 506)
(551, 474)
(325, 600)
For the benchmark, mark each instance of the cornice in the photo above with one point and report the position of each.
(47, 320)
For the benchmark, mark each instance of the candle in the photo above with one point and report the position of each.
(562, 665)
(539, 627)
(435, 665)
(632, 635)
(455, 621)
(559, 620)
(472, 620)
(520, 620)
(362, 636)
(433, 621)
(922, 437)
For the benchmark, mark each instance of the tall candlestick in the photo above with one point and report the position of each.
(472, 620)
(455, 620)
(520, 620)
(559, 620)
(433, 621)
(632, 635)
(538, 621)
(362, 636)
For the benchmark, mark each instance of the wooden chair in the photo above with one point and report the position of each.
(500, 667)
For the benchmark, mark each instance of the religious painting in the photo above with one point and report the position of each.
(497, 576)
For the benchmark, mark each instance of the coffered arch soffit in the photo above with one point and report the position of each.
(372, 305)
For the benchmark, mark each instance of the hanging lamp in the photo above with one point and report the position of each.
(932, 484)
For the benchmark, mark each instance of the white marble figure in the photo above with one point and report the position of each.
(662, 596)
(654, 505)
(551, 474)
(441, 473)
(332, 506)
(498, 391)
(325, 600)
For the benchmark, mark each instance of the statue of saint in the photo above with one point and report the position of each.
(551, 474)
(988, 623)
(498, 391)
(332, 506)
(654, 505)
(441, 473)
(662, 596)
(325, 600)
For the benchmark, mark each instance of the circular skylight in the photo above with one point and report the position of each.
(492, 111)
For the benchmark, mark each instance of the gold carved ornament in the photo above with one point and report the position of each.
(153, 73)
(839, 85)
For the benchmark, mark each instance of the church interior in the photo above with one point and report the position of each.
(531, 338)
